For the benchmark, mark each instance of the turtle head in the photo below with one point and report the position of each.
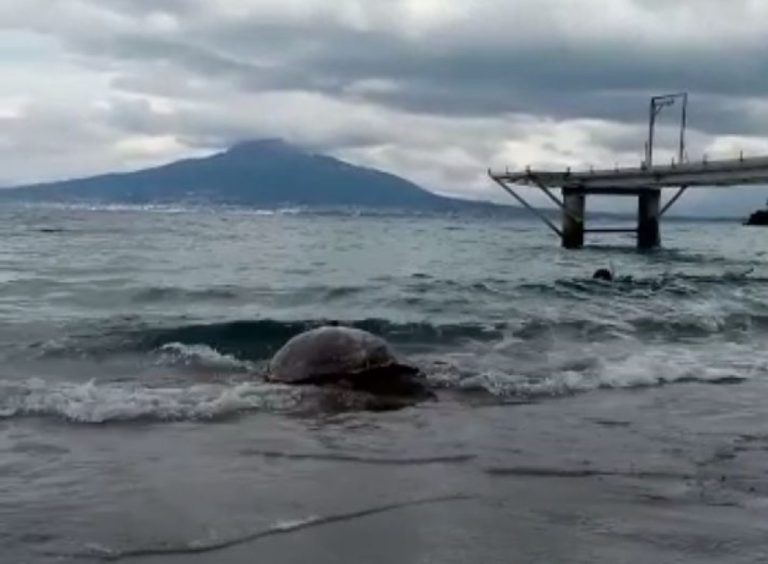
(393, 381)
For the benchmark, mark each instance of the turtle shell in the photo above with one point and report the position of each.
(327, 353)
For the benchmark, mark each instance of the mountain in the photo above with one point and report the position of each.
(268, 173)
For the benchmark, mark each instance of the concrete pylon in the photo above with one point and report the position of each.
(648, 205)
(573, 219)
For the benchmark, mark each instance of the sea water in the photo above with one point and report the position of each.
(576, 420)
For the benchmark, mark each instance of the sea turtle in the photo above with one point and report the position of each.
(347, 358)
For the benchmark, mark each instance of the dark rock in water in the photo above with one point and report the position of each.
(351, 360)
(760, 217)
(603, 274)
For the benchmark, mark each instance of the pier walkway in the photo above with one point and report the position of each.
(645, 182)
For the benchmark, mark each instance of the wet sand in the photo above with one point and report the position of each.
(667, 474)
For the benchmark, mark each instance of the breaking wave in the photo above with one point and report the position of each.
(642, 369)
(259, 339)
(201, 356)
(95, 402)
(92, 402)
(568, 383)
(242, 344)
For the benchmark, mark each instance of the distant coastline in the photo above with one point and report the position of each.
(267, 174)
(273, 175)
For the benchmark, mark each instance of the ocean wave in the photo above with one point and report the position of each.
(570, 383)
(676, 284)
(165, 293)
(668, 326)
(201, 356)
(259, 339)
(643, 369)
(237, 344)
(92, 402)
(307, 294)
(240, 343)
(104, 402)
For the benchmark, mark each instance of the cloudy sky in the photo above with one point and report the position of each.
(434, 90)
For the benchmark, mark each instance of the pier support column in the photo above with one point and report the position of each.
(573, 219)
(648, 235)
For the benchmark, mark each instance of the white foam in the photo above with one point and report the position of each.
(291, 524)
(279, 211)
(91, 402)
(643, 367)
(200, 355)
(114, 207)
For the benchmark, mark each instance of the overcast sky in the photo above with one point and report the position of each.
(434, 90)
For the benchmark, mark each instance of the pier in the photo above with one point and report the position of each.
(645, 182)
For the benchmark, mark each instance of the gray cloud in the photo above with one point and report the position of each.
(434, 91)
(561, 79)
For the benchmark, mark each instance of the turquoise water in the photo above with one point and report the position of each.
(576, 420)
